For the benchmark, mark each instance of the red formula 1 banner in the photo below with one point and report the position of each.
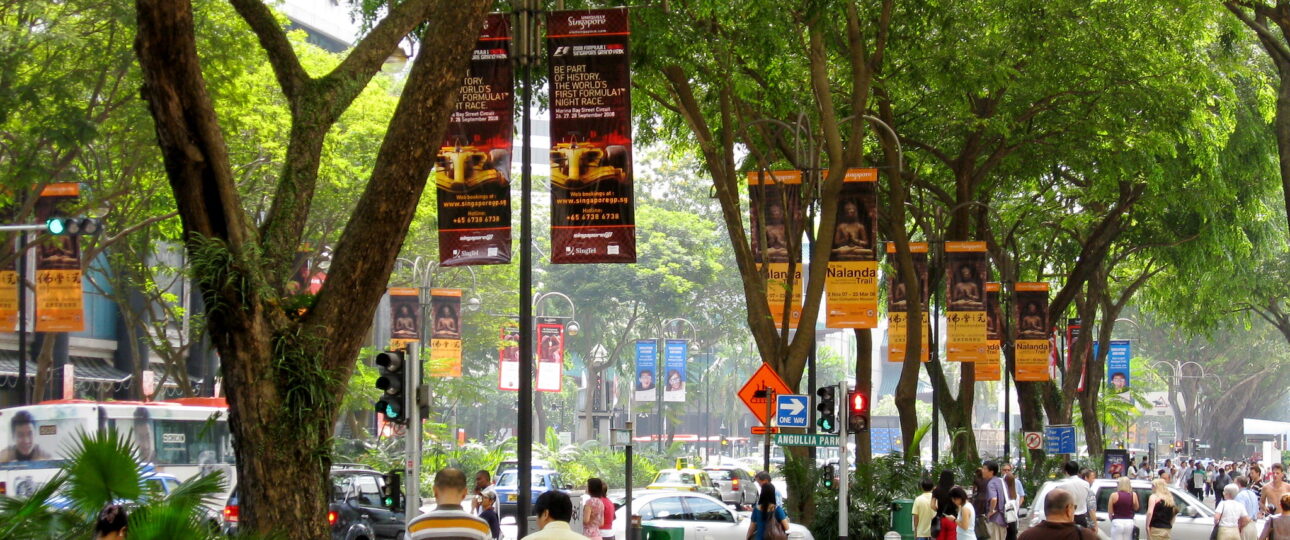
(472, 171)
(508, 358)
(965, 275)
(592, 215)
(550, 354)
(851, 284)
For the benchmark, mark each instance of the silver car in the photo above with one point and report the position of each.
(1195, 519)
(737, 487)
(701, 516)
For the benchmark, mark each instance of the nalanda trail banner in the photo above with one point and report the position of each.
(646, 371)
(550, 354)
(897, 325)
(405, 317)
(775, 214)
(59, 302)
(1030, 307)
(472, 170)
(675, 352)
(987, 367)
(508, 359)
(851, 281)
(445, 334)
(592, 214)
(965, 318)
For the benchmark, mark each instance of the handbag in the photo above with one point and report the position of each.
(1010, 512)
(774, 529)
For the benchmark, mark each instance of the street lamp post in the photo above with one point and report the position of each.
(662, 332)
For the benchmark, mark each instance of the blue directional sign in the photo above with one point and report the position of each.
(1059, 439)
(791, 410)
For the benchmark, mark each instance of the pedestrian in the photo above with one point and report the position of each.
(941, 494)
(1221, 480)
(1256, 480)
(111, 523)
(607, 520)
(488, 513)
(1144, 470)
(1059, 520)
(1246, 497)
(1230, 516)
(554, 509)
(1090, 502)
(1161, 511)
(1278, 526)
(767, 509)
(1273, 490)
(762, 478)
(1123, 506)
(1016, 498)
(593, 511)
(1198, 479)
(996, 497)
(966, 514)
(924, 511)
(483, 484)
(449, 519)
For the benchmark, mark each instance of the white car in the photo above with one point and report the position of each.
(701, 516)
(1195, 519)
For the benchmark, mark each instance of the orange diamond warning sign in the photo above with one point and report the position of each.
(756, 391)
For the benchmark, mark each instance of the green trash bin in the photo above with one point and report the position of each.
(650, 532)
(902, 518)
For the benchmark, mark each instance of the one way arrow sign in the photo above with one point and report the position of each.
(790, 410)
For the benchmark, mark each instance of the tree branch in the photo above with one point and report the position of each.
(286, 65)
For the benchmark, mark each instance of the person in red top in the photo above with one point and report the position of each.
(606, 525)
(949, 528)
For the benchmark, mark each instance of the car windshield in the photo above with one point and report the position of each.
(510, 479)
(674, 477)
(720, 475)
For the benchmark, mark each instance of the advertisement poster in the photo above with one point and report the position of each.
(987, 367)
(675, 352)
(472, 169)
(508, 358)
(1119, 360)
(1032, 348)
(592, 215)
(445, 334)
(775, 217)
(550, 354)
(9, 294)
(59, 305)
(965, 317)
(646, 371)
(896, 298)
(851, 281)
(405, 317)
(1115, 462)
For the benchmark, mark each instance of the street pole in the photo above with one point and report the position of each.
(844, 461)
(1004, 344)
(770, 409)
(24, 395)
(935, 357)
(628, 526)
(527, 44)
(412, 468)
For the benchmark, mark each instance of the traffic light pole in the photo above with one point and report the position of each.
(412, 459)
(844, 466)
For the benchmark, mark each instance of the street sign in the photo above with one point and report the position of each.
(806, 439)
(763, 430)
(1060, 439)
(1034, 440)
(754, 392)
(790, 410)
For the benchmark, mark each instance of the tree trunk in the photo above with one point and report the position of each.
(864, 385)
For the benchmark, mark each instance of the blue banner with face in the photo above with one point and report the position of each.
(675, 352)
(646, 370)
(1119, 358)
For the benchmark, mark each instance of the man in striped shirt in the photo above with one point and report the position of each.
(449, 519)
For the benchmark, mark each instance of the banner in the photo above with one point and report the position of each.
(405, 317)
(1073, 329)
(896, 298)
(473, 167)
(59, 303)
(1119, 359)
(592, 215)
(987, 367)
(851, 281)
(550, 354)
(1032, 348)
(445, 334)
(776, 213)
(646, 371)
(508, 359)
(9, 291)
(965, 318)
(675, 352)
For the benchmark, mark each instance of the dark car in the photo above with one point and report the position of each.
(355, 510)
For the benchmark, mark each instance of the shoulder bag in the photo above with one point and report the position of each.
(774, 529)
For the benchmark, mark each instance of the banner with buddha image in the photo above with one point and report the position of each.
(851, 281)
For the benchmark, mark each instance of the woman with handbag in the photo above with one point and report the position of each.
(1161, 511)
(1278, 527)
(1123, 505)
(769, 522)
(1230, 516)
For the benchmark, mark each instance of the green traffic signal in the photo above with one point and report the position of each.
(825, 423)
(55, 226)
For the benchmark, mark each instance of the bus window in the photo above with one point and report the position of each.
(188, 442)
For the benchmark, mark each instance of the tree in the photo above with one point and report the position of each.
(285, 374)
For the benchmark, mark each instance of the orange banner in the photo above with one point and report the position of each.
(405, 317)
(445, 336)
(851, 281)
(965, 274)
(896, 304)
(59, 292)
(987, 368)
(777, 291)
(1032, 348)
(9, 300)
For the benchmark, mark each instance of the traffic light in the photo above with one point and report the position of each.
(73, 226)
(827, 474)
(827, 408)
(392, 491)
(393, 382)
(858, 412)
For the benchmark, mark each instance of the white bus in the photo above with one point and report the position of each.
(183, 437)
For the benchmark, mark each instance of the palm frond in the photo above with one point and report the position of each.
(101, 468)
(198, 491)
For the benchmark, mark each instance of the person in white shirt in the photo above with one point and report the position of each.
(554, 509)
(1230, 516)
(1079, 490)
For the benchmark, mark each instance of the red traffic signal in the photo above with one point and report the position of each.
(858, 403)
